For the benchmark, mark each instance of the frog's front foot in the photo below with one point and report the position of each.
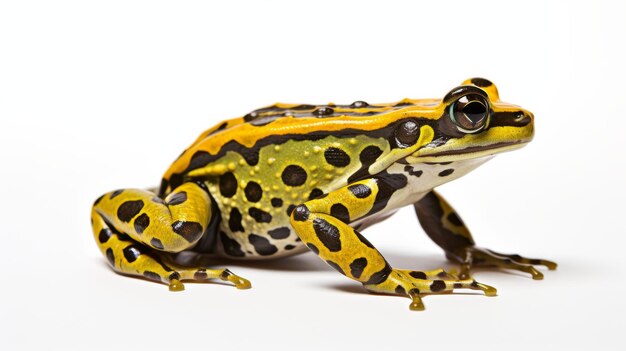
(475, 256)
(414, 283)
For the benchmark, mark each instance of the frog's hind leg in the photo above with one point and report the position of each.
(446, 229)
(138, 233)
(322, 224)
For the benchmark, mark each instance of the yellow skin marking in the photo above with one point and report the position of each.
(290, 176)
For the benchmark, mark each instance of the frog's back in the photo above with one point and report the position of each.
(259, 167)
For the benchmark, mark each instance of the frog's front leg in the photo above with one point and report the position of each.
(138, 232)
(446, 229)
(322, 224)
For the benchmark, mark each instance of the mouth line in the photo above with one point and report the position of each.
(474, 149)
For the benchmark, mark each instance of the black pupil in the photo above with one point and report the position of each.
(475, 111)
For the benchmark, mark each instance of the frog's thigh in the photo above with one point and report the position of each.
(171, 225)
(322, 226)
(133, 228)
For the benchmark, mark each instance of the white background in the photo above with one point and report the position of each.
(96, 96)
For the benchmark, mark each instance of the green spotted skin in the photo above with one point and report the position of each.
(292, 178)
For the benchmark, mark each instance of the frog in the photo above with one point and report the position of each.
(293, 178)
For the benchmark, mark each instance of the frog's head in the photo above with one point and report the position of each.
(471, 122)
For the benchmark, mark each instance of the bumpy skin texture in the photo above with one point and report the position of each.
(287, 178)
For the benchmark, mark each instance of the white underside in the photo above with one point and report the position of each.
(418, 187)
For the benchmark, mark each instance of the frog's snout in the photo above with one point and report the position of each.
(518, 124)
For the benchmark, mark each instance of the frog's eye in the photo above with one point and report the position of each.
(407, 134)
(469, 113)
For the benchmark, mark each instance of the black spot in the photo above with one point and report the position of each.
(455, 219)
(437, 285)
(361, 191)
(379, 276)
(110, 257)
(315, 194)
(407, 134)
(418, 275)
(200, 274)
(323, 111)
(95, 203)
(174, 275)
(336, 157)
(253, 191)
(328, 234)
(225, 274)
(340, 212)
(178, 198)
(251, 156)
(442, 274)
(458, 285)
(123, 237)
(191, 231)
(259, 215)
(370, 154)
(156, 243)
(301, 213)
(279, 233)
(359, 104)
(199, 160)
(131, 253)
(115, 193)
(128, 210)
(141, 223)
(335, 266)
(412, 172)
(400, 290)
(357, 266)
(364, 240)
(481, 82)
(262, 245)
(276, 202)
(234, 221)
(290, 209)
(294, 175)
(446, 172)
(367, 157)
(313, 248)
(228, 184)
(104, 235)
(152, 276)
(289, 247)
(231, 247)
